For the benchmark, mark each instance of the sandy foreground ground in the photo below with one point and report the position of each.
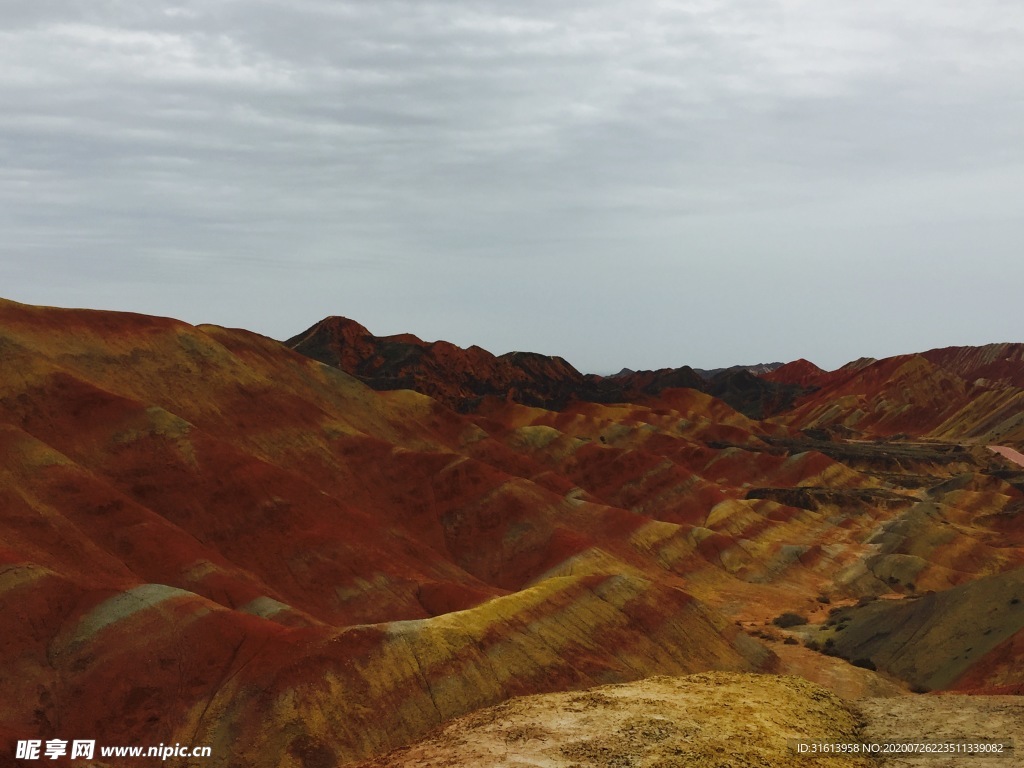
(710, 720)
(946, 717)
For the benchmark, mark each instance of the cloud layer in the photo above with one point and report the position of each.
(641, 184)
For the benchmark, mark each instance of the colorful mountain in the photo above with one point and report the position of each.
(955, 394)
(462, 378)
(227, 541)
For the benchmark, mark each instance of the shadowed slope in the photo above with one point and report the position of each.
(938, 639)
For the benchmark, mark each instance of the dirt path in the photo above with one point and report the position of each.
(1008, 453)
(956, 718)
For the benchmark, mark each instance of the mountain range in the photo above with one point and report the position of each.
(311, 552)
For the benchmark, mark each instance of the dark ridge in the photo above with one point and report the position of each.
(461, 378)
(759, 369)
(752, 395)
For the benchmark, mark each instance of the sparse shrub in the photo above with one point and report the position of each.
(824, 599)
(829, 648)
(920, 689)
(1014, 601)
(911, 586)
(866, 600)
(791, 641)
(813, 645)
(789, 620)
(839, 619)
(864, 664)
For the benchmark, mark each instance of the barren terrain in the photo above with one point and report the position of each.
(229, 543)
(946, 718)
(712, 720)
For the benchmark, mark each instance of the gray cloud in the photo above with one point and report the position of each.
(640, 184)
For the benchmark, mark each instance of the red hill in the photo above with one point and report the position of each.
(802, 373)
(991, 364)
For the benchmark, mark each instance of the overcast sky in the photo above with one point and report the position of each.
(643, 183)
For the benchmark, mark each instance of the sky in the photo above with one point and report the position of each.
(633, 184)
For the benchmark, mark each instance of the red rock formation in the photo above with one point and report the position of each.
(460, 378)
(455, 376)
(801, 372)
(225, 542)
(1000, 364)
(213, 535)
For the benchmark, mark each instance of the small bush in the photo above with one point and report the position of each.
(791, 641)
(825, 599)
(789, 620)
(864, 664)
(866, 600)
(813, 645)
(840, 619)
(1014, 601)
(920, 689)
(830, 649)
